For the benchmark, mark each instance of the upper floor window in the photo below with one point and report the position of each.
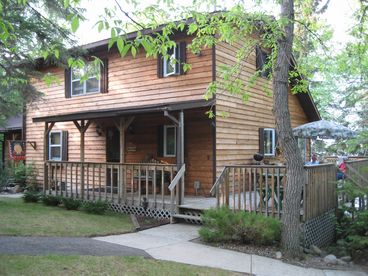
(267, 141)
(170, 67)
(91, 85)
(172, 64)
(262, 58)
(97, 81)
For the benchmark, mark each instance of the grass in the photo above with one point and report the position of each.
(92, 265)
(34, 219)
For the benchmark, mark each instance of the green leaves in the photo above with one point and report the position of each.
(75, 23)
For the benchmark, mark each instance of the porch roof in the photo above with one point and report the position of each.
(13, 123)
(108, 113)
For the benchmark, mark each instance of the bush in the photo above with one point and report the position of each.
(224, 225)
(51, 200)
(31, 196)
(4, 178)
(98, 207)
(71, 203)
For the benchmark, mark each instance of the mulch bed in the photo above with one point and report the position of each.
(270, 252)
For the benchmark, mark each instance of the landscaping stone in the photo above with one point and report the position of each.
(278, 255)
(341, 262)
(330, 259)
(346, 258)
(315, 249)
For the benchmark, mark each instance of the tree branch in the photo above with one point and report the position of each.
(127, 15)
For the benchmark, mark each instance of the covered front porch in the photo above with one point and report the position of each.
(151, 157)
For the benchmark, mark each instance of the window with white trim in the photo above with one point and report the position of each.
(170, 62)
(89, 86)
(55, 145)
(269, 141)
(169, 141)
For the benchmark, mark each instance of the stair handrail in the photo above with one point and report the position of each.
(218, 181)
(177, 177)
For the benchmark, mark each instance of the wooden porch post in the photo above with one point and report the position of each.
(82, 127)
(179, 149)
(122, 125)
(48, 128)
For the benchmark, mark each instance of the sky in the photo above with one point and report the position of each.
(337, 15)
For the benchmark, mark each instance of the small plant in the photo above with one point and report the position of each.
(51, 200)
(97, 207)
(71, 203)
(31, 196)
(20, 174)
(224, 225)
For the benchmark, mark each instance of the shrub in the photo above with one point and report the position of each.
(51, 200)
(224, 225)
(97, 207)
(4, 177)
(31, 196)
(71, 203)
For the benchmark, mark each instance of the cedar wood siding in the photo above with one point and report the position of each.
(131, 82)
(237, 138)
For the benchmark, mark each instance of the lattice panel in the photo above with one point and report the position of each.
(140, 211)
(194, 213)
(319, 231)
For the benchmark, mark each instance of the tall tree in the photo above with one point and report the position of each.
(30, 29)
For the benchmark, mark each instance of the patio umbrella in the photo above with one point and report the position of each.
(323, 129)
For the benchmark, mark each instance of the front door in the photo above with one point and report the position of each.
(112, 145)
(112, 155)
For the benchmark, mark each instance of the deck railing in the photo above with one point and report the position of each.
(319, 191)
(261, 188)
(140, 184)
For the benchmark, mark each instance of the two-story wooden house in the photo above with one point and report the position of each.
(126, 135)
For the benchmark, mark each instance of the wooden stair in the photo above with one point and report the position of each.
(188, 215)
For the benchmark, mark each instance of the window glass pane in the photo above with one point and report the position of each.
(77, 88)
(77, 73)
(92, 85)
(92, 70)
(170, 141)
(268, 141)
(55, 138)
(55, 153)
(169, 66)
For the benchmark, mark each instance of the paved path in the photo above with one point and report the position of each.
(172, 242)
(64, 246)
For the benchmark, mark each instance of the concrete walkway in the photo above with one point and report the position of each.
(172, 242)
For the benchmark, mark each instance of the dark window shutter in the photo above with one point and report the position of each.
(160, 141)
(181, 56)
(67, 77)
(276, 141)
(261, 60)
(104, 75)
(261, 140)
(64, 148)
(160, 66)
(48, 147)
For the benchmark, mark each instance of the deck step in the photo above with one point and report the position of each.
(188, 217)
(188, 207)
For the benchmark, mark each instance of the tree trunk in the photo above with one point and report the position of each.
(294, 162)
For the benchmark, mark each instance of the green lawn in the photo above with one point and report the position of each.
(35, 219)
(92, 265)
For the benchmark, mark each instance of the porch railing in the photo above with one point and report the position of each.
(137, 184)
(261, 188)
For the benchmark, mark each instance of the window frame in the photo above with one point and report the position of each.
(165, 63)
(56, 145)
(84, 83)
(273, 146)
(165, 154)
